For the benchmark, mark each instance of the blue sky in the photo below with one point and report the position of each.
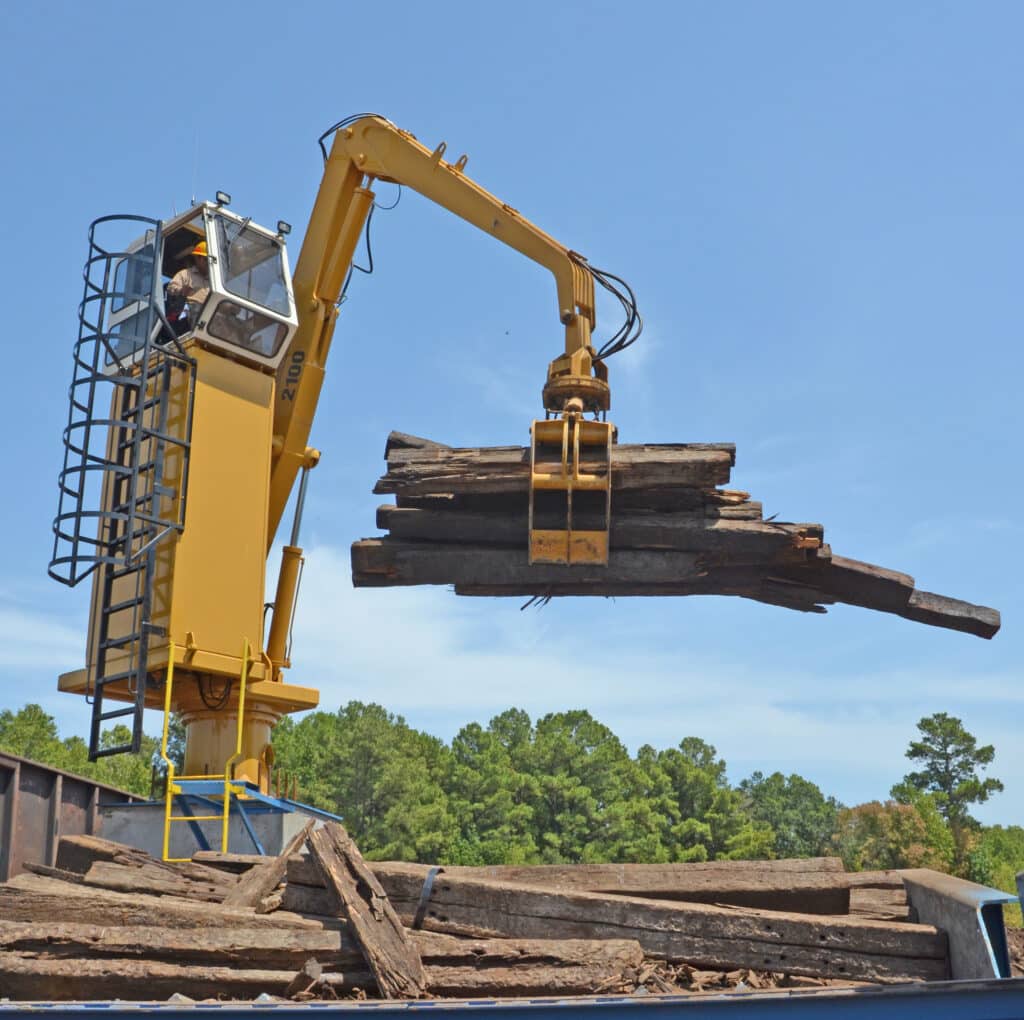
(820, 209)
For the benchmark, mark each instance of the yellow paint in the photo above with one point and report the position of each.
(228, 773)
(250, 439)
(557, 465)
(229, 765)
(168, 764)
(284, 602)
(210, 580)
(373, 148)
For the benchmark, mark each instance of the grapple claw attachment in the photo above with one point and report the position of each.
(570, 490)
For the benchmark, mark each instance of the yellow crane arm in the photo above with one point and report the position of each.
(373, 148)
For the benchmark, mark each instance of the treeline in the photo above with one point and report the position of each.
(565, 789)
(32, 733)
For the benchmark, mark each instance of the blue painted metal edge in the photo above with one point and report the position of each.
(244, 815)
(254, 799)
(946, 1000)
(294, 805)
(255, 802)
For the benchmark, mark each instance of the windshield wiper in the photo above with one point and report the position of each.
(230, 244)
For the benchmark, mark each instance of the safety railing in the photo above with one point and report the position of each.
(178, 786)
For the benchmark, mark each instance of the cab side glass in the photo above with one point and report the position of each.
(133, 279)
(131, 293)
(251, 266)
(247, 329)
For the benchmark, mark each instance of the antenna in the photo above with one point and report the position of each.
(195, 161)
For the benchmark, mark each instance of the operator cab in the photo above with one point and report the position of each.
(248, 308)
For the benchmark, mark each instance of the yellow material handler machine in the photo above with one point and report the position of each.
(198, 370)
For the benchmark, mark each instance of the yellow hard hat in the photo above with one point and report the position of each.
(200, 249)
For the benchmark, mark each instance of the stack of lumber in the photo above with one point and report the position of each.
(111, 922)
(460, 518)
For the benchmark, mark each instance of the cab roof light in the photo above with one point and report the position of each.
(223, 198)
(283, 228)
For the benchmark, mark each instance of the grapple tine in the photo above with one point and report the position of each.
(570, 490)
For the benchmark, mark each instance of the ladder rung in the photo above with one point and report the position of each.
(119, 607)
(141, 534)
(114, 678)
(106, 752)
(115, 575)
(195, 818)
(118, 713)
(146, 405)
(165, 437)
(120, 642)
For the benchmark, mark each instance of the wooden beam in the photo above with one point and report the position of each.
(698, 934)
(953, 614)
(507, 468)
(261, 881)
(236, 946)
(814, 886)
(810, 587)
(383, 562)
(78, 853)
(232, 863)
(361, 901)
(61, 980)
(669, 499)
(155, 881)
(516, 967)
(882, 904)
(29, 898)
(740, 541)
(453, 967)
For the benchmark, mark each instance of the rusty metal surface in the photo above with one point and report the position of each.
(39, 804)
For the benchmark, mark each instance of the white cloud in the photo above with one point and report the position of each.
(443, 661)
(35, 639)
(652, 676)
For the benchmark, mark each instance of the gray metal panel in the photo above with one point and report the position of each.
(142, 825)
(39, 804)
(31, 830)
(970, 914)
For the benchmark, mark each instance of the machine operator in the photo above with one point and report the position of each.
(190, 285)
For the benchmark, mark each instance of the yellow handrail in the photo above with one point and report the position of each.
(228, 765)
(227, 775)
(168, 795)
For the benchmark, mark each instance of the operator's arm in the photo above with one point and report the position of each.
(374, 148)
(180, 285)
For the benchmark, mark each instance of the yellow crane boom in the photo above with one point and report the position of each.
(370, 149)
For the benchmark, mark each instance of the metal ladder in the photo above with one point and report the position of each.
(135, 528)
(117, 503)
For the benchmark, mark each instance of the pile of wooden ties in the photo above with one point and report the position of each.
(110, 922)
(460, 518)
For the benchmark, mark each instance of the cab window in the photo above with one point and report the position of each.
(251, 266)
(247, 329)
(133, 279)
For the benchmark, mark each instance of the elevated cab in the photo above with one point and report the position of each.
(248, 310)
